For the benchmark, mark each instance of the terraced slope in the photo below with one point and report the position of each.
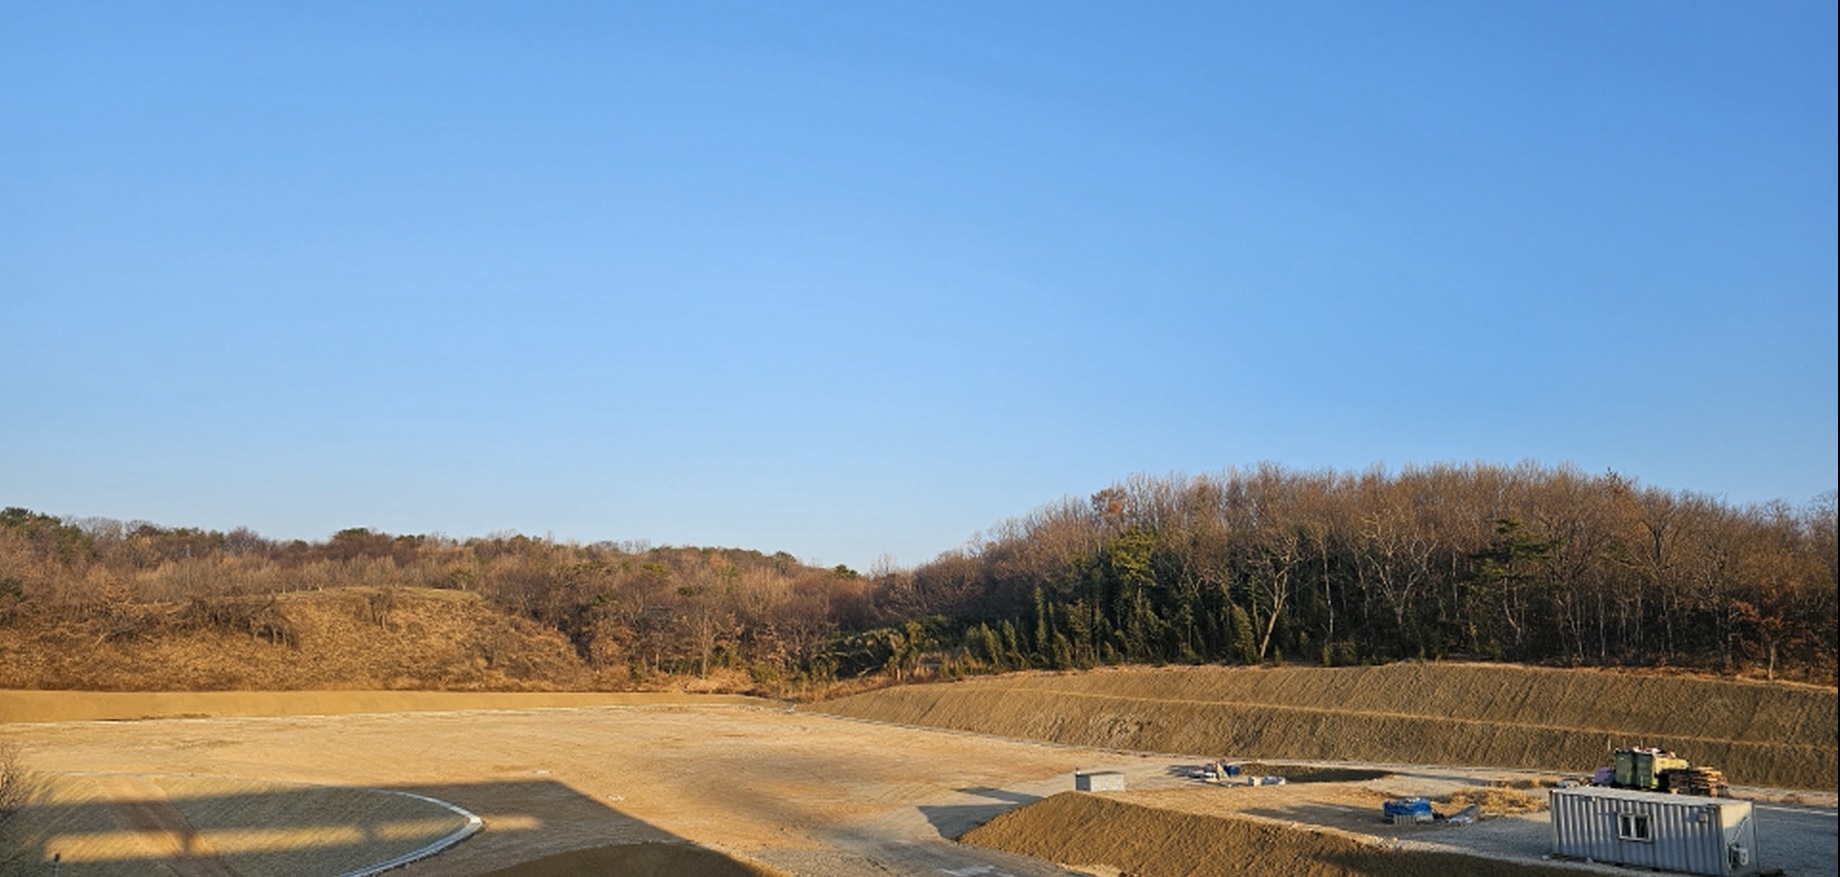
(1416, 713)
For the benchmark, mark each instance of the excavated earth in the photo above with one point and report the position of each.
(606, 784)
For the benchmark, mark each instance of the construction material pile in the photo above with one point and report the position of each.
(1708, 781)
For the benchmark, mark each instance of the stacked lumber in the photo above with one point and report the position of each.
(1709, 781)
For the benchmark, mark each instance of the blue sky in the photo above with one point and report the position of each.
(862, 279)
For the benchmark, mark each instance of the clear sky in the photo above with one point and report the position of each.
(861, 279)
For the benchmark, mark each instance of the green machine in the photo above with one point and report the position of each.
(1645, 767)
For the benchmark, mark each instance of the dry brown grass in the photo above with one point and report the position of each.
(358, 638)
(1416, 713)
(14, 781)
(1493, 801)
(1089, 831)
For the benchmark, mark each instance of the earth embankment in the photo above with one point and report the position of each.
(638, 860)
(1777, 735)
(1089, 831)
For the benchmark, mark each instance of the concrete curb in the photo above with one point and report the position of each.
(472, 826)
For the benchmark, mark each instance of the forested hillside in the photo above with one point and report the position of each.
(1520, 563)
(1523, 564)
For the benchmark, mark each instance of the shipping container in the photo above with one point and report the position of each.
(1099, 781)
(1681, 833)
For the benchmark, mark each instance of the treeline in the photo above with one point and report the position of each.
(651, 610)
(1523, 563)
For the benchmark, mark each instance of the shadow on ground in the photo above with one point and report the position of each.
(952, 820)
(97, 825)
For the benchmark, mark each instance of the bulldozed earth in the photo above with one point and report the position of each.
(1760, 734)
(968, 778)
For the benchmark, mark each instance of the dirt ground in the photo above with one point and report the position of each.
(807, 794)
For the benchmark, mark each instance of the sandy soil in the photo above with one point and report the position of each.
(807, 794)
(811, 795)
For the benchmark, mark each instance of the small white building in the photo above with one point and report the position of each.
(1685, 833)
(1098, 781)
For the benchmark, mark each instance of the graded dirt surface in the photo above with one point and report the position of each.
(88, 706)
(805, 794)
(106, 825)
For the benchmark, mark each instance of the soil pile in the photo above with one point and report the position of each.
(1087, 831)
(1781, 735)
(637, 860)
(356, 638)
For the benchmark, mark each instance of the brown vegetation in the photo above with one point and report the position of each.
(1078, 830)
(609, 614)
(1416, 713)
(14, 780)
(1522, 564)
(336, 639)
(1497, 800)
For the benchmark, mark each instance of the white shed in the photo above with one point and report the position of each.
(1098, 781)
(1683, 833)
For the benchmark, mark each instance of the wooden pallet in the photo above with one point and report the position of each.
(1708, 781)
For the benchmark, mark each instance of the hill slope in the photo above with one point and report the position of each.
(1472, 714)
(406, 638)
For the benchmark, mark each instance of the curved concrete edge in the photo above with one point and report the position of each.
(472, 826)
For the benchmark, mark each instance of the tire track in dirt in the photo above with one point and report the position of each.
(161, 829)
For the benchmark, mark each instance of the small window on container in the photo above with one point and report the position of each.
(1634, 826)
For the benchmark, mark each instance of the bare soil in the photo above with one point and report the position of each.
(1778, 735)
(1105, 833)
(119, 825)
(765, 786)
(638, 860)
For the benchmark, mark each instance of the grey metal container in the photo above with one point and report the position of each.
(1682, 833)
(1099, 781)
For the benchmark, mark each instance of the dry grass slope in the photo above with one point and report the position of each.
(1078, 829)
(355, 638)
(1471, 714)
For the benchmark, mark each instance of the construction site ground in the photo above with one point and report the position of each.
(803, 793)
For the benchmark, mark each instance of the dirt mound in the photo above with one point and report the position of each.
(1088, 831)
(637, 860)
(359, 638)
(1475, 714)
